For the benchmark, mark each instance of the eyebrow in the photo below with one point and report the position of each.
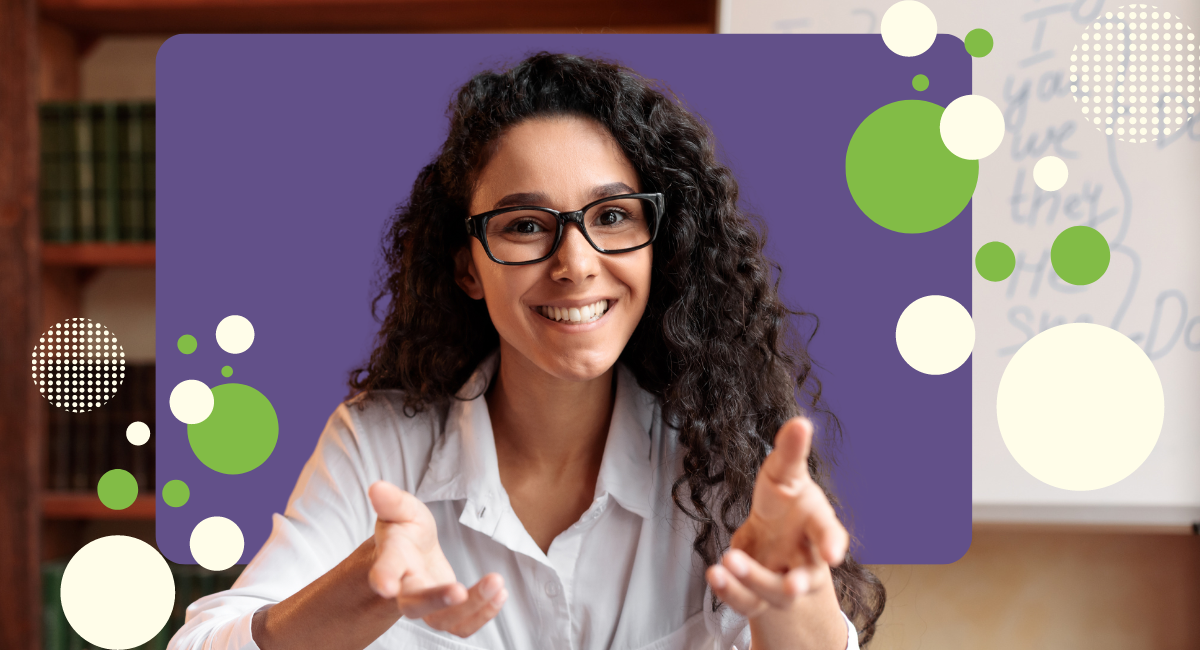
(537, 198)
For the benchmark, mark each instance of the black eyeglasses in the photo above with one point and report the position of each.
(529, 234)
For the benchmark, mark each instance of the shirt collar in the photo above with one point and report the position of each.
(463, 464)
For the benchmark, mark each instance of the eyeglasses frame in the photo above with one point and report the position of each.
(476, 224)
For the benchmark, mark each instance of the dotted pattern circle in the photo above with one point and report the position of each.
(78, 365)
(1134, 74)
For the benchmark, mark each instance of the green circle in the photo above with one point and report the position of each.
(995, 261)
(118, 489)
(979, 42)
(226, 371)
(239, 434)
(920, 82)
(901, 174)
(187, 344)
(176, 493)
(1080, 255)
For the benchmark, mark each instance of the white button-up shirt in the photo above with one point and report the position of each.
(623, 576)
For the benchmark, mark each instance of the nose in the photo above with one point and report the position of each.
(575, 258)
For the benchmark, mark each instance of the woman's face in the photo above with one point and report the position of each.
(560, 163)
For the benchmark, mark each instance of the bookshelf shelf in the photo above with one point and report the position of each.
(87, 505)
(95, 254)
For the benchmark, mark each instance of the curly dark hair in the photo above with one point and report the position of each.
(714, 345)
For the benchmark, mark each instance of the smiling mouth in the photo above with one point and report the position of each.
(576, 315)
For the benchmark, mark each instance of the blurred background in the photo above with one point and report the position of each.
(77, 239)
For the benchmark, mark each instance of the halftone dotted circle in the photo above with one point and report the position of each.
(117, 592)
(978, 42)
(1050, 173)
(176, 493)
(217, 543)
(241, 432)
(920, 82)
(78, 365)
(972, 127)
(235, 334)
(1066, 420)
(935, 335)
(226, 371)
(138, 433)
(1133, 74)
(908, 28)
(191, 401)
(995, 261)
(117, 489)
(1080, 255)
(901, 175)
(186, 344)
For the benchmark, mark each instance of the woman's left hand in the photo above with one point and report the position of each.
(786, 545)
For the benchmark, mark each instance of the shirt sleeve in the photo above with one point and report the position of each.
(327, 518)
(851, 634)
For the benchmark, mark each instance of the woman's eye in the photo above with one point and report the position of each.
(526, 227)
(609, 217)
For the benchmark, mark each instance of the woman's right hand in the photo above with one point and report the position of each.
(408, 565)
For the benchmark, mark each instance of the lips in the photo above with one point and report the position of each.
(575, 315)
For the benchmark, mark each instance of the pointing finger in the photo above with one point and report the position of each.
(394, 505)
(787, 463)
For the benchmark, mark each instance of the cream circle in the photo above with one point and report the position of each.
(1050, 173)
(235, 334)
(908, 28)
(935, 334)
(972, 127)
(138, 433)
(117, 592)
(217, 543)
(191, 401)
(1065, 420)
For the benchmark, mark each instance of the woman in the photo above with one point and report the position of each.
(579, 428)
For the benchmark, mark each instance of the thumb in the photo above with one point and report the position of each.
(392, 504)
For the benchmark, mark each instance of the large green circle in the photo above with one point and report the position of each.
(1080, 255)
(118, 489)
(186, 344)
(239, 434)
(978, 42)
(900, 173)
(995, 261)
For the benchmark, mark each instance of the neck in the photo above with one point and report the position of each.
(542, 422)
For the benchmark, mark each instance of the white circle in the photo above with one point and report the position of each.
(117, 592)
(935, 335)
(138, 433)
(972, 127)
(191, 401)
(217, 543)
(235, 334)
(1050, 173)
(908, 28)
(1065, 420)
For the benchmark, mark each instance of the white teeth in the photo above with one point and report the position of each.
(583, 314)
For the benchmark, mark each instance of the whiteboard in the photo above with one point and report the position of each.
(1143, 197)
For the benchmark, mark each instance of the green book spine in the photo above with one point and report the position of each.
(112, 169)
(85, 160)
(135, 217)
(66, 173)
(47, 194)
(148, 144)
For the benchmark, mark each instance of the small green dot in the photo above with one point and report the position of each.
(226, 371)
(1080, 255)
(118, 489)
(979, 42)
(187, 344)
(176, 493)
(995, 261)
(920, 82)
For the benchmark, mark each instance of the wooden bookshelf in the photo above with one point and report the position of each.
(87, 505)
(98, 254)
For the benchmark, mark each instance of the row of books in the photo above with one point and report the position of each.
(97, 171)
(83, 446)
(191, 583)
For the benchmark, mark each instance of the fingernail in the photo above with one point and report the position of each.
(718, 579)
(448, 600)
(489, 589)
(799, 583)
(736, 565)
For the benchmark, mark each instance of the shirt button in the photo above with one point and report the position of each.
(551, 589)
